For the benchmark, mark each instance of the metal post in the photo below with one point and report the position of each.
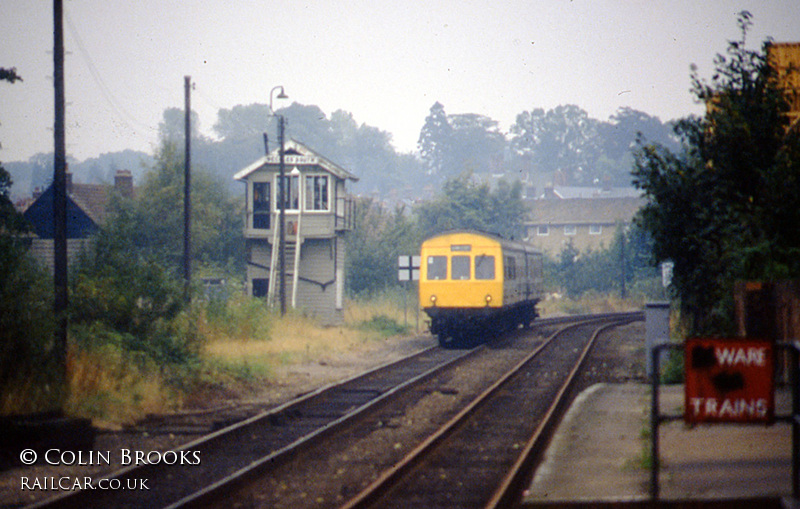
(282, 219)
(60, 300)
(654, 422)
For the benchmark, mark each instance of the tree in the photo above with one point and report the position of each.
(379, 238)
(728, 206)
(26, 325)
(434, 141)
(562, 144)
(172, 127)
(466, 204)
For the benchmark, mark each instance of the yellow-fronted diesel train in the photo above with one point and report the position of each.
(472, 284)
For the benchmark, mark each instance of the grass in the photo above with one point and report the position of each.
(588, 303)
(111, 385)
(297, 338)
(244, 346)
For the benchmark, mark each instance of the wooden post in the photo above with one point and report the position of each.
(187, 196)
(60, 193)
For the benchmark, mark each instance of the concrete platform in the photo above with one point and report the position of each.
(600, 453)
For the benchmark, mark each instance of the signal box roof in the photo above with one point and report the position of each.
(295, 154)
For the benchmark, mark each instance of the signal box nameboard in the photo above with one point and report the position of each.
(729, 380)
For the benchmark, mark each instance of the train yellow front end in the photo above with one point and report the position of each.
(460, 270)
(471, 282)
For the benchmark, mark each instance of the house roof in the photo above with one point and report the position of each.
(87, 205)
(40, 215)
(295, 153)
(569, 192)
(584, 211)
(93, 199)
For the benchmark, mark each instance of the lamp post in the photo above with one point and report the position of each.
(281, 202)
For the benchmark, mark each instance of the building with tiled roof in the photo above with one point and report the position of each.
(586, 223)
(87, 209)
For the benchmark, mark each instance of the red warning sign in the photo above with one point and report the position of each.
(729, 380)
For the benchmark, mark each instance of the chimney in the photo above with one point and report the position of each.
(123, 183)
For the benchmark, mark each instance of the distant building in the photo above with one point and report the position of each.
(587, 223)
(87, 207)
(784, 58)
(319, 212)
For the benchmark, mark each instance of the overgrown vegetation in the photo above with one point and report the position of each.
(726, 208)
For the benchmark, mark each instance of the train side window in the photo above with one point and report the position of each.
(484, 267)
(437, 267)
(460, 268)
(511, 268)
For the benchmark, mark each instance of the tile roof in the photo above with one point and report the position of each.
(584, 211)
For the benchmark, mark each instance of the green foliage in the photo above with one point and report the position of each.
(129, 300)
(126, 290)
(466, 204)
(379, 238)
(26, 313)
(155, 218)
(450, 145)
(384, 325)
(672, 372)
(603, 270)
(727, 208)
(241, 316)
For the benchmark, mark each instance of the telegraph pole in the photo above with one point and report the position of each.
(187, 198)
(60, 193)
(282, 220)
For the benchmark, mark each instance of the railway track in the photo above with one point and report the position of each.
(235, 460)
(483, 456)
(240, 449)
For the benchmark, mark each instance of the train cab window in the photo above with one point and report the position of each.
(484, 267)
(437, 268)
(460, 268)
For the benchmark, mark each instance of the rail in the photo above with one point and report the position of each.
(508, 492)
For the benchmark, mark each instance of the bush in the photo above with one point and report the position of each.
(384, 325)
(26, 316)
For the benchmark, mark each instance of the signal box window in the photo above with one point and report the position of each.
(437, 268)
(484, 267)
(317, 192)
(260, 287)
(460, 270)
(261, 212)
(291, 190)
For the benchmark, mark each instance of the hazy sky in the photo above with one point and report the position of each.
(386, 62)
